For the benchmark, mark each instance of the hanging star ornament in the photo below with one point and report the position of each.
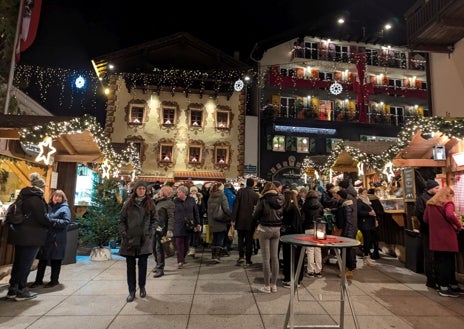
(46, 150)
(388, 170)
(360, 169)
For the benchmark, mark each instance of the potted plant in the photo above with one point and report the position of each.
(99, 225)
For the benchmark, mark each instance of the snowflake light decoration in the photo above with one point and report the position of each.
(336, 88)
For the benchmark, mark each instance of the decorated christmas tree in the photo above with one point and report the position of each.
(99, 225)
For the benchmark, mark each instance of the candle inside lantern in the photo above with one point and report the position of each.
(320, 235)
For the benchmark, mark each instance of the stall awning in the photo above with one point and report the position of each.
(152, 179)
(199, 175)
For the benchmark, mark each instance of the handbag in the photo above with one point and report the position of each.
(189, 224)
(231, 232)
(168, 246)
(208, 234)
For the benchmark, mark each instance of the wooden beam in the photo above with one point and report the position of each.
(79, 157)
(418, 163)
(67, 145)
(9, 134)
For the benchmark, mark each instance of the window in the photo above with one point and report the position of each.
(166, 153)
(325, 76)
(195, 154)
(311, 49)
(221, 155)
(372, 57)
(397, 83)
(342, 53)
(222, 120)
(136, 114)
(397, 116)
(302, 144)
(139, 143)
(278, 143)
(287, 107)
(196, 118)
(169, 116)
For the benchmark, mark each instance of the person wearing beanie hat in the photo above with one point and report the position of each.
(431, 187)
(28, 237)
(431, 183)
(36, 180)
(136, 225)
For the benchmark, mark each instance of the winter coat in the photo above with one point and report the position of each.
(184, 209)
(268, 211)
(218, 199)
(55, 246)
(292, 221)
(33, 231)
(443, 225)
(242, 213)
(136, 227)
(165, 211)
(345, 220)
(420, 210)
(230, 197)
(312, 209)
(365, 221)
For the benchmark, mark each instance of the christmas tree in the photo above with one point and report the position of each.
(99, 225)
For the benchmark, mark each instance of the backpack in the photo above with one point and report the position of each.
(14, 213)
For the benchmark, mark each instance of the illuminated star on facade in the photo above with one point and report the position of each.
(105, 168)
(46, 150)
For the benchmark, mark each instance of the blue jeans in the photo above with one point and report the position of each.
(269, 244)
(218, 239)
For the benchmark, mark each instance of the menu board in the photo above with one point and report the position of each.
(408, 183)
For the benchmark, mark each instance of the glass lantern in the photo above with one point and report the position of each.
(320, 229)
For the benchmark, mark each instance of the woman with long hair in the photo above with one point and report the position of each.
(291, 224)
(55, 246)
(136, 223)
(268, 215)
(443, 227)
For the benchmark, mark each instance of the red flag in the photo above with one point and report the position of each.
(29, 25)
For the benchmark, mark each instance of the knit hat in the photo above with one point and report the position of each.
(431, 183)
(343, 194)
(140, 183)
(36, 180)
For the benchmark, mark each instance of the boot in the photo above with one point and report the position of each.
(215, 254)
(223, 252)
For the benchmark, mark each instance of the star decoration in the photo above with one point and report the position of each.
(105, 168)
(360, 169)
(388, 170)
(46, 150)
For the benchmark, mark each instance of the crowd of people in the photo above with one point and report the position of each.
(259, 214)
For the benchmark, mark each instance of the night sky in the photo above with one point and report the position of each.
(71, 33)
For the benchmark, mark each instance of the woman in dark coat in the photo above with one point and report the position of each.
(28, 237)
(217, 202)
(185, 207)
(138, 216)
(366, 224)
(55, 246)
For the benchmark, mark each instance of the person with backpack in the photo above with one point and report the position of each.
(28, 237)
(55, 247)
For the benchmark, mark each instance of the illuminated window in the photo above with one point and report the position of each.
(195, 154)
(222, 120)
(196, 118)
(221, 155)
(302, 145)
(169, 116)
(278, 143)
(166, 152)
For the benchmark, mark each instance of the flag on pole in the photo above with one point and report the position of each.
(29, 25)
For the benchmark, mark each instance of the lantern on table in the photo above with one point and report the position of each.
(320, 229)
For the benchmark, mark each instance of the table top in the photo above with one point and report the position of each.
(331, 241)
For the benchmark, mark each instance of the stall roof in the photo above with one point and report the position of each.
(75, 147)
(345, 161)
(418, 152)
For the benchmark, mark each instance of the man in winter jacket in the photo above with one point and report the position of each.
(28, 237)
(242, 218)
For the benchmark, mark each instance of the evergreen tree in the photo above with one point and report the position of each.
(99, 225)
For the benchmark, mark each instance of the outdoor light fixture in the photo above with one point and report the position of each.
(439, 152)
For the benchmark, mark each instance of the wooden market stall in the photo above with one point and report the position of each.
(19, 161)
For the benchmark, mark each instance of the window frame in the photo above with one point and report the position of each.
(166, 149)
(280, 142)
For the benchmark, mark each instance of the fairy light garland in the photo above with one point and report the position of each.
(37, 134)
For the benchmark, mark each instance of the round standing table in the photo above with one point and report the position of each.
(339, 244)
